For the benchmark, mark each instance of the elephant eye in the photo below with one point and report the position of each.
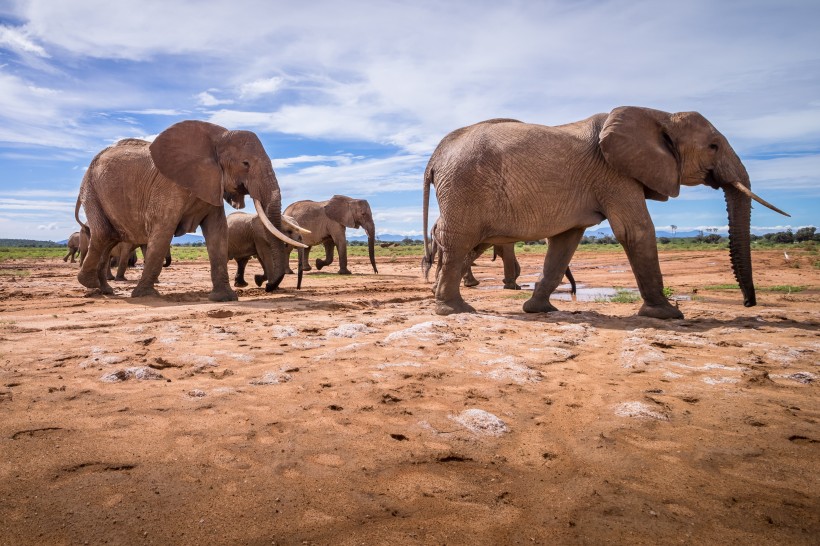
(246, 164)
(713, 147)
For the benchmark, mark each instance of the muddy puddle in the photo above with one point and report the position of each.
(583, 292)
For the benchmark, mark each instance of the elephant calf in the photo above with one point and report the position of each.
(124, 255)
(77, 244)
(248, 237)
(327, 221)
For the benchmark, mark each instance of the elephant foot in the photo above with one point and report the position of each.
(223, 295)
(259, 279)
(240, 283)
(307, 268)
(469, 283)
(511, 286)
(120, 278)
(533, 305)
(289, 271)
(663, 311)
(319, 265)
(107, 290)
(144, 291)
(89, 280)
(270, 287)
(345, 271)
(453, 307)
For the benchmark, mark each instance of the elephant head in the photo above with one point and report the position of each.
(663, 151)
(354, 213)
(214, 163)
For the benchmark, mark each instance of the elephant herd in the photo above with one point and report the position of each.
(497, 182)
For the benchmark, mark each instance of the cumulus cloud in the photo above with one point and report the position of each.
(205, 98)
(265, 86)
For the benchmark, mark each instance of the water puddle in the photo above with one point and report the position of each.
(584, 293)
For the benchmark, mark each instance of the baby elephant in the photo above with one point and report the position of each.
(248, 237)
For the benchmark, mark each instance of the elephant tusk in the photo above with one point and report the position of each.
(291, 222)
(746, 191)
(260, 211)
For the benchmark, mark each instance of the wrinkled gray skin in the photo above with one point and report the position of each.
(124, 255)
(247, 237)
(326, 221)
(502, 181)
(77, 244)
(147, 193)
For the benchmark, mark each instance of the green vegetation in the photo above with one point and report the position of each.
(787, 288)
(623, 295)
(668, 291)
(721, 287)
(10, 253)
(29, 243)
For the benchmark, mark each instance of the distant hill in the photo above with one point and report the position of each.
(30, 243)
(187, 239)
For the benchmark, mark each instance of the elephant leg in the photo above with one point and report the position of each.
(469, 278)
(512, 269)
(472, 256)
(95, 263)
(341, 244)
(82, 257)
(288, 250)
(559, 253)
(265, 254)
(448, 296)
(571, 280)
(305, 257)
(638, 240)
(70, 253)
(122, 262)
(239, 278)
(215, 231)
(329, 248)
(152, 265)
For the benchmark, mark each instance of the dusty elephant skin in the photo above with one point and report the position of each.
(503, 181)
(349, 412)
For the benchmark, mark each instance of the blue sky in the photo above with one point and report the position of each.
(352, 97)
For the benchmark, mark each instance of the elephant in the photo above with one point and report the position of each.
(327, 220)
(554, 182)
(124, 255)
(247, 237)
(146, 193)
(512, 270)
(77, 244)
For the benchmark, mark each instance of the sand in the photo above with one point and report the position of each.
(349, 413)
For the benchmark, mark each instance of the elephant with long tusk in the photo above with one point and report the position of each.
(146, 193)
(554, 182)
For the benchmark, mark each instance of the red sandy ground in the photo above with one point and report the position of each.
(349, 413)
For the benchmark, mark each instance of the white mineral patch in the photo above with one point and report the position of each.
(508, 368)
(638, 410)
(272, 378)
(480, 422)
(434, 330)
(236, 356)
(398, 365)
(719, 380)
(202, 361)
(102, 360)
(141, 373)
(672, 375)
(305, 345)
(281, 332)
(168, 339)
(635, 351)
(349, 330)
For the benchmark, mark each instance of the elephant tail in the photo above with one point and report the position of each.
(83, 226)
(429, 250)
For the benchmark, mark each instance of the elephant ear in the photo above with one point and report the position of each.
(635, 143)
(186, 153)
(339, 209)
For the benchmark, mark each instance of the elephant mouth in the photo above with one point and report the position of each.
(236, 200)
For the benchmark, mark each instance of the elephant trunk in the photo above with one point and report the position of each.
(732, 177)
(370, 229)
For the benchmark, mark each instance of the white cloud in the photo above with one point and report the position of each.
(18, 40)
(207, 99)
(48, 227)
(261, 87)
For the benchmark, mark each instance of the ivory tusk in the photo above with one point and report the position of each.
(291, 222)
(746, 191)
(260, 211)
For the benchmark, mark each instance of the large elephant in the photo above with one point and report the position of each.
(553, 182)
(77, 244)
(247, 237)
(146, 193)
(327, 220)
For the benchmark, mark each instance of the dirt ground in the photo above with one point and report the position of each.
(349, 413)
